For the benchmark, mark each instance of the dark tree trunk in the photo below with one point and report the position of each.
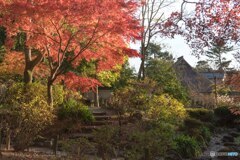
(215, 92)
(0, 142)
(120, 124)
(55, 144)
(50, 102)
(50, 93)
(8, 139)
(96, 98)
(30, 65)
(141, 72)
(28, 76)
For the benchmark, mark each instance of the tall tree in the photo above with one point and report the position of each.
(216, 55)
(203, 65)
(162, 71)
(151, 16)
(72, 30)
(207, 22)
(155, 51)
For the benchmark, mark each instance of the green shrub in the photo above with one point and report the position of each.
(77, 147)
(74, 111)
(202, 114)
(129, 99)
(224, 116)
(164, 108)
(151, 143)
(29, 109)
(187, 147)
(106, 139)
(191, 123)
(205, 132)
(202, 135)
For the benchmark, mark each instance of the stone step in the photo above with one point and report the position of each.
(81, 135)
(89, 129)
(101, 123)
(99, 113)
(102, 117)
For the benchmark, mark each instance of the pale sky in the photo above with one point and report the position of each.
(176, 46)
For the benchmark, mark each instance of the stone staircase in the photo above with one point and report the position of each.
(102, 117)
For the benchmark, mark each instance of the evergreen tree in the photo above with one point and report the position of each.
(203, 65)
(155, 51)
(216, 55)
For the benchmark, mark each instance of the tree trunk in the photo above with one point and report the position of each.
(143, 69)
(28, 68)
(96, 97)
(0, 142)
(55, 144)
(8, 139)
(30, 65)
(28, 76)
(120, 124)
(215, 91)
(50, 93)
(141, 72)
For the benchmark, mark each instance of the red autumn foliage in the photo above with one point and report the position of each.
(92, 29)
(212, 21)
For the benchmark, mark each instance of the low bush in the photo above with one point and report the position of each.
(106, 140)
(78, 147)
(187, 146)
(205, 115)
(191, 123)
(74, 111)
(224, 116)
(151, 143)
(167, 109)
(30, 112)
(206, 133)
(202, 135)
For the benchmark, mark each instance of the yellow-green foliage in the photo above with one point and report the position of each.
(20, 93)
(29, 107)
(107, 78)
(166, 108)
(135, 96)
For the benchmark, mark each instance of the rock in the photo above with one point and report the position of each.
(217, 143)
(228, 139)
(225, 149)
(235, 134)
(229, 144)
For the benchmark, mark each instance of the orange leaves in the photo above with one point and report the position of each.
(85, 84)
(13, 62)
(211, 20)
(72, 30)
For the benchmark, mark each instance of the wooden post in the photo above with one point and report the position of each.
(96, 97)
(8, 139)
(55, 144)
(215, 91)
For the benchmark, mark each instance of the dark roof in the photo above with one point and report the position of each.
(191, 78)
(212, 75)
(232, 80)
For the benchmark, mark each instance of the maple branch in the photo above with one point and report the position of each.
(49, 59)
(60, 40)
(89, 42)
(37, 60)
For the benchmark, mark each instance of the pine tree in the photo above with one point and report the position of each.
(216, 55)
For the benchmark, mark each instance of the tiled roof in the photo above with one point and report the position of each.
(233, 80)
(191, 78)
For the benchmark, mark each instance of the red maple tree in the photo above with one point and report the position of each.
(210, 21)
(67, 31)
